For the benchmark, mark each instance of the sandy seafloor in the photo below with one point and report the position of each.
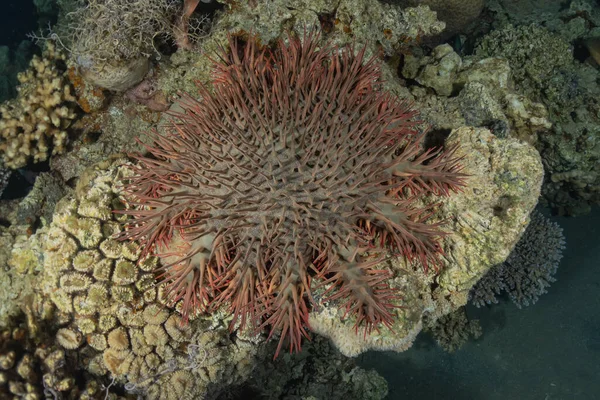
(548, 351)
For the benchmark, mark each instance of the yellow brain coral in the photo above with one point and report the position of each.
(111, 309)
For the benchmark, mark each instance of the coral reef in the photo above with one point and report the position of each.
(33, 367)
(453, 330)
(20, 252)
(110, 310)
(380, 26)
(33, 125)
(529, 269)
(541, 64)
(438, 71)
(112, 41)
(380, 23)
(120, 124)
(544, 70)
(291, 166)
(573, 20)
(319, 371)
(38, 206)
(452, 92)
(94, 318)
(486, 220)
(457, 14)
(4, 177)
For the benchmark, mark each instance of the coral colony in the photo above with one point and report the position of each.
(287, 172)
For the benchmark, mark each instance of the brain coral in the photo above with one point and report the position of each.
(288, 172)
(110, 311)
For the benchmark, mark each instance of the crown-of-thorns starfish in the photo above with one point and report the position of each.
(286, 172)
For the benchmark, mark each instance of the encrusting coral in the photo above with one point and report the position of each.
(33, 126)
(295, 166)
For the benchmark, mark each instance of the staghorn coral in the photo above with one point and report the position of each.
(34, 124)
(529, 269)
(110, 311)
(296, 165)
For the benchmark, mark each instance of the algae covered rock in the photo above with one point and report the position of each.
(437, 71)
(451, 92)
(545, 70)
(378, 25)
(457, 14)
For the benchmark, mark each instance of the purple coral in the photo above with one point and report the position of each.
(287, 172)
(529, 269)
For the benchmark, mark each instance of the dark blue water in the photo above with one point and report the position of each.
(547, 351)
(18, 18)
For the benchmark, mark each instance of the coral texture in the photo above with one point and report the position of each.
(33, 367)
(457, 14)
(486, 220)
(110, 310)
(453, 330)
(295, 166)
(319, 369)
(545, 69)
(118, 30)
(380, 26)
(529, 269)
(34, 125)
(4, 177)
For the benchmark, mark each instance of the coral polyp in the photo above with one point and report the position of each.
(286, 172)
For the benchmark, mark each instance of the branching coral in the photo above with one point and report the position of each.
(289, 171)
(453, 330)
(34, 124)
(529, 269)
